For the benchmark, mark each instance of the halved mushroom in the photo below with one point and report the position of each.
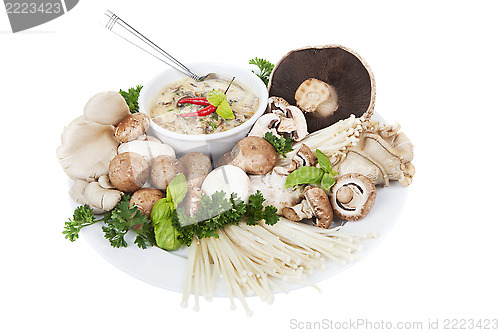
(294, 123)
(303, 157)
(336, 66)
(266, 123)
(353, 196)
(316, 205)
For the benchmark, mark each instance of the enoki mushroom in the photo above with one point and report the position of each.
(331, 140)
(252, 260)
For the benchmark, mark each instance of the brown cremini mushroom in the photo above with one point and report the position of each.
(316, 205)
(353, 196)
(163, 169)
(128, 172)
(132, 127)
(339, 68)
(145, 199)
(303, 157)
(197, 166)
(254, 155)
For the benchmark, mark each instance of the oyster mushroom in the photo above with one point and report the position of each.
(86, 149)
(107, 108)
(98, 198)
(316, 205)
(336, 66)
(353, 196)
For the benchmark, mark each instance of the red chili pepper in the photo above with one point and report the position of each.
(200, 113)
(195, 100)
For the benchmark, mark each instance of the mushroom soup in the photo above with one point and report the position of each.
(167, 112)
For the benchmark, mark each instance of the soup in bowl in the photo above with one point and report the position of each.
(177, 106)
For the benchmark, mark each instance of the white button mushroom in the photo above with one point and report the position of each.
(227, 178)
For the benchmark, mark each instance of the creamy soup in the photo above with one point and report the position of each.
(165, 111)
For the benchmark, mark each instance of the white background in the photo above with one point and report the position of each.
(437, 73)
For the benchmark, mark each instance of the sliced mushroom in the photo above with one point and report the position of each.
(295, 123)
(266, 123)
(277, 105)
(132, 127)
(353, 196)
(316, 205)
(335, 65)
(303, 157)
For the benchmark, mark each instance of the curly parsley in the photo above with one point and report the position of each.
(116, 224)
(265, 67)
(281, 144)
(132, 98)
(216, 212)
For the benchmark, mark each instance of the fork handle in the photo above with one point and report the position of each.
(121, 28)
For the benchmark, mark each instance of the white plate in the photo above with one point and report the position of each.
(166, 269)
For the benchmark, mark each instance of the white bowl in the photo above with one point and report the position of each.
(211, 144)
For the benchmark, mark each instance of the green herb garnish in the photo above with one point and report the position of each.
(281, 144)
(323, 176)
(131, 97)
(218, 99)
(265, 67)
(116, 224)
(216, 212)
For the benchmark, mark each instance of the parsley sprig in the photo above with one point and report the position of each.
(281, 144)
(116, 224)
(132, 98)
(265, 67)
(216, 212)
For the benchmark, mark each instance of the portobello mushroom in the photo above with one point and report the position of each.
(345, 84)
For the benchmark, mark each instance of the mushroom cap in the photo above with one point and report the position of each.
(353, 196)
(132, 127)
(107, 108)
(227, 178)
(254, 155)
(128, 171)
(86, 149)
(197, 166)
(145, 199)
(335, 65)
(163, 169)
(147, 149)
(320, 204)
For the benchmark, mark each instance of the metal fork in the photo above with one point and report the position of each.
(121, 28)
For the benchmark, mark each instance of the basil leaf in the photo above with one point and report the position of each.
(216, 97)
(304, 175)
(224, 110)
(162, 209)
(327, 181)
(177, 189)
(324, 161)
